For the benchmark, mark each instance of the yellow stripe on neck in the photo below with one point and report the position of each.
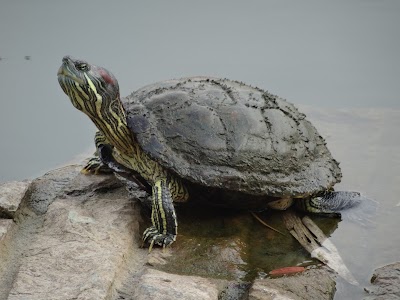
(78, 87)
(93, 87)
(98, 96)
(114, 131)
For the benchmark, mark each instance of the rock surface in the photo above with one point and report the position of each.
(385, 283)
(79, 237)
(312, 284)
(5, 226)
(153, 284)
(11, 194)
(83, 242)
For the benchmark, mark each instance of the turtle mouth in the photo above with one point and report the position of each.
(65, 74)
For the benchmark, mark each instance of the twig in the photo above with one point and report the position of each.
(265, 224)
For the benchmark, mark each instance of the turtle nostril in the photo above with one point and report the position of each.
(66, 59)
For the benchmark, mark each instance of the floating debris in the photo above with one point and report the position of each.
(311, 237)
(27, 57)
(265, 224)
(286, 271)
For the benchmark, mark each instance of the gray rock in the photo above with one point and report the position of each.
(235, 291)
(311, 284)
(29, 222)
(11, 195)
(5, 226)
(79, 250)
(78, 237)
(155, 284)
(385, 283)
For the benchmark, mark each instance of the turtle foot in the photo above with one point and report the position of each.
(330, 202)
(152, 236)
(95, 166)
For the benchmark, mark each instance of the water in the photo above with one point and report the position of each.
(339, 60)
(366, 142)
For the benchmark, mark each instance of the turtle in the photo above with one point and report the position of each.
(196, 137)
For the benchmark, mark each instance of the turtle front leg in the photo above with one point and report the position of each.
(104, 162)
(165, 227)
(95, 165)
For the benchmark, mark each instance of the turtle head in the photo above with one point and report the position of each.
(91, 89)
(94, 91)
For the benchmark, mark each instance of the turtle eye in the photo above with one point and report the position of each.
(82, 66)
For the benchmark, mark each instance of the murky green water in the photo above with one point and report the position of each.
(229, 244)
(337, 61)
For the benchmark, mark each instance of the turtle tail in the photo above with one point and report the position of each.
(329, 203)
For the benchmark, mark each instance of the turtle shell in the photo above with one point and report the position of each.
(226, 134)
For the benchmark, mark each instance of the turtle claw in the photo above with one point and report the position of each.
(154, 237)
(95, 166)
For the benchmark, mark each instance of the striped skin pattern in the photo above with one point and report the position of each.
(94, 91)
(164, 229)
(329, 202)
(95, 164)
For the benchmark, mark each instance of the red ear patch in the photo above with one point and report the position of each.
(106, 76)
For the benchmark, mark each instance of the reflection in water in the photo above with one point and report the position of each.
(229, 244)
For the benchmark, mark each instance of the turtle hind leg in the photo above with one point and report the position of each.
(164, 229)
(329, 203)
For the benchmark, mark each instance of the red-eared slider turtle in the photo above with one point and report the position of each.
(205, 135)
